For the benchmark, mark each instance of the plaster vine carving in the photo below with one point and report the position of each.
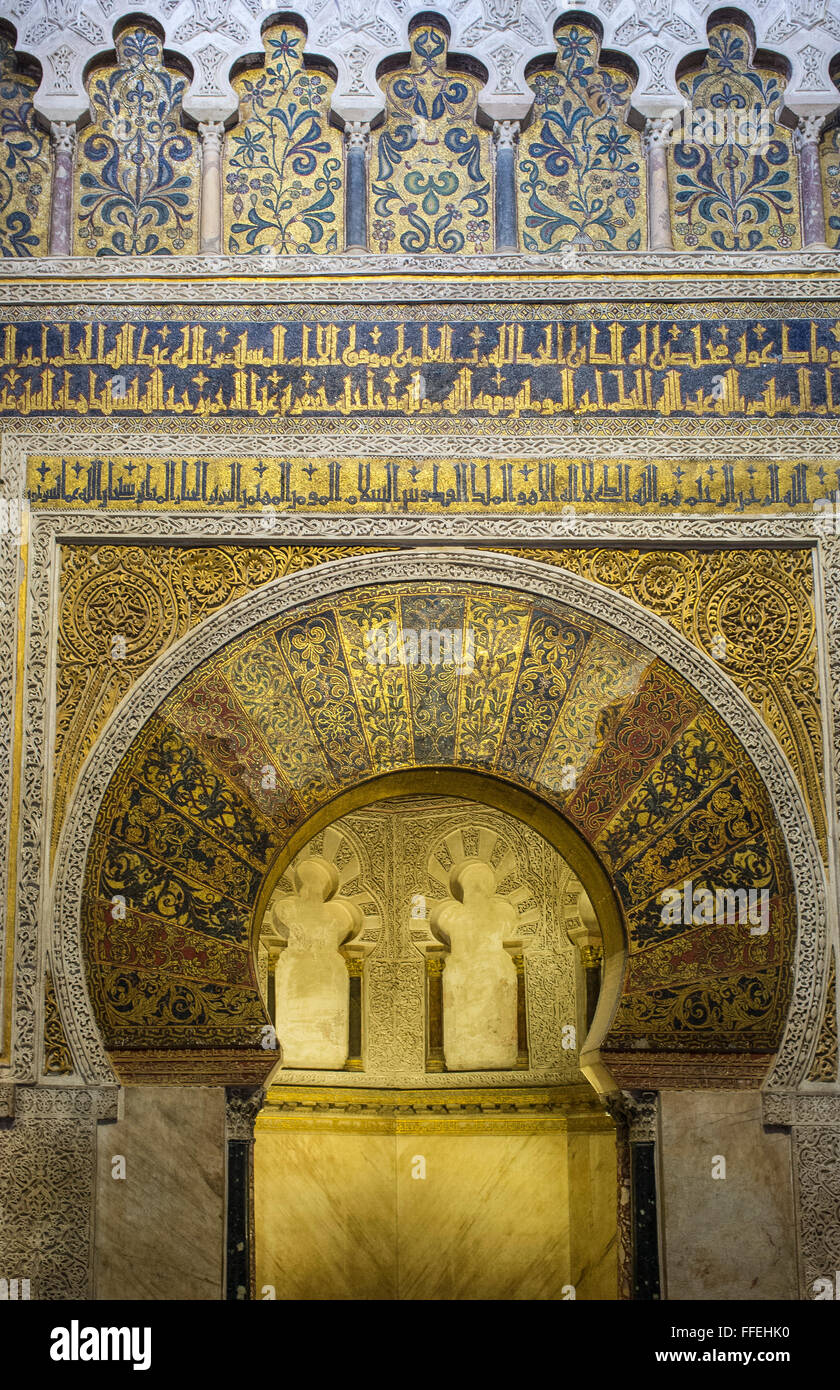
(65, 35)
(357, 280)
(47, 1191)
(817, 1158)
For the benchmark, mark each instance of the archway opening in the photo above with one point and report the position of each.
(431, 960)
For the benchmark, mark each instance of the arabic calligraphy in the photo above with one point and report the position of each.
(558, 486)
(416, 368)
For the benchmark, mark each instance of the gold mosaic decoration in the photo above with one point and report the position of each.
(759, 601)
(830, 168)
(581, 179)
(750, 610)
(190, 823)
(122, 606)
(431, 166)
(734, 175)
(283, 161)
(137, 177)
(26, 167)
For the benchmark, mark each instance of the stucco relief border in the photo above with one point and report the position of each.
(355, 39)
(251, 267)
(374, 279)
(814, 440)
(208, 637)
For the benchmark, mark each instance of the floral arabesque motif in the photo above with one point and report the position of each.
(580, 165)
(24, 164)
(830, 159)
(139, 166)
(283, 169)
(737, 190)
(431, 191)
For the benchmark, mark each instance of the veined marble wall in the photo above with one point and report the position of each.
(159, 1226)
(435, 1202)
(727, 1199)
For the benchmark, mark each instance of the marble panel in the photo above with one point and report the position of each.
(490, 1220)
(593, 1238)
(160, 1231)
(730, 1237)
(325, 1215)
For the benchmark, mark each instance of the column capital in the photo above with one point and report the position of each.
(639, 1111)
(506, 134)
(808, 131)
(63, 136)
(242, 1105)
(211, 133)
(657, 132)
(357, 134)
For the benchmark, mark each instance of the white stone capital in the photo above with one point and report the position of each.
(63, 136)
(212, 134)
(357, 135)
(657, 133)
(808, 131)
(505, 134)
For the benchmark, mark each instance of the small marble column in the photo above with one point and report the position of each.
(356, 145)
(63, 136)
(643, 1110)
(275, 950)
(211, 134)
(505, 137)
(591, 959)
(523, 1058)
(242, 1105)
(655, 142)
(355, 970)
(585, 934)
(435, 1056)
(806, 138)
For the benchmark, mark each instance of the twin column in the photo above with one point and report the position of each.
(505, 139)
(657, 134)
(356, 149)
(211, 134)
